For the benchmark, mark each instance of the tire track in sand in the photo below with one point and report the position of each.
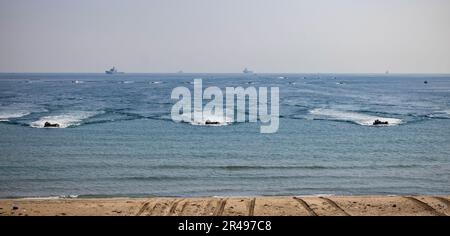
(251, 207)
(144, 207)
(425, 206)
(335, 205)
(220, 207)
(306, 206)
(173, 206)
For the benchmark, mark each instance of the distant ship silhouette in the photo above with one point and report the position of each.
(113, 71)
(247, 71)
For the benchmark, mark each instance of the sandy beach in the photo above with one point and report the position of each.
(232, 206)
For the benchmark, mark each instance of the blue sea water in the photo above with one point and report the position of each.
(117, 137)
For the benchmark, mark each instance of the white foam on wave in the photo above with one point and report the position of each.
(64, 120)
(357, 118)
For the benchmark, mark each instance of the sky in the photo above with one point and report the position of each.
(212, 36)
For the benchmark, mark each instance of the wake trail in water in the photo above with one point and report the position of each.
(15, 111)
(354, 117)
(6, 115)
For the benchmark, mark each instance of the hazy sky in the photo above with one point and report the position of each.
(407, 36)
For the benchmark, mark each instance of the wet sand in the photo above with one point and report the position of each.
(232, 206)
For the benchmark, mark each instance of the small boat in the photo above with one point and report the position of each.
(209, 122)
(379, 122)
(50, 125)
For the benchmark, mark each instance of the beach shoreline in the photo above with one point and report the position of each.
(374, 205)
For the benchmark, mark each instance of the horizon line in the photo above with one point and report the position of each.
(255, 73)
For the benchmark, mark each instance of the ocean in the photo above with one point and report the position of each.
(116, 137)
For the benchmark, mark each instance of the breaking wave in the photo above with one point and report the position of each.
(354, 117)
